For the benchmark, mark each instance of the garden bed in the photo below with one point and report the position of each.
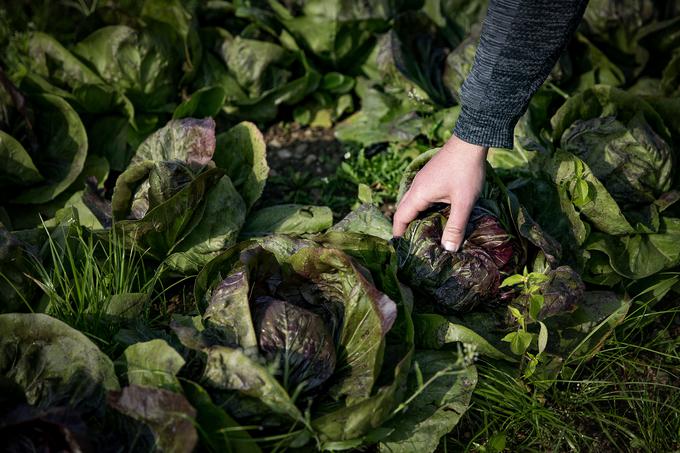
(196, 250)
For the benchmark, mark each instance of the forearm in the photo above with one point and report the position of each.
(520, 42)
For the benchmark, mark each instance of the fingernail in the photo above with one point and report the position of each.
(450, 246)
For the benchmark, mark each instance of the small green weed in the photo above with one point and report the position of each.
(382, 171)
(520, 340)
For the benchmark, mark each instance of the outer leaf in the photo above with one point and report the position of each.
(18, 168)
(52, 363)
(353, 421)
(231, 369)
(218, 229)
(206, 101)
(214, 421)
(435, 331)
(85, 215)
(435, 411)
(127, 305)
(287, 219)
(126, 188)
(366, 219)
(367, 317)
(601, 209)
(62, 148)
(641, 255)
(552, 208)
(166, 414)
(581, 334)
(188, 140)
(229, 309)
(242, 153)
(165, 225)
(153, 364)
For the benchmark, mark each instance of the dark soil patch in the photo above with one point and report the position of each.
(291, 147)
(303, 164)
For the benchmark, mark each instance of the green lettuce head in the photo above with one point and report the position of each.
(623, 141)
(614, 170)
(186, 192)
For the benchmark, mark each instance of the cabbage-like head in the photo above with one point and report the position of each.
(186, 193)
(456, 281)
(631, 159)
(500, 238)
(621, 139)
(305, 314)
(293, 328)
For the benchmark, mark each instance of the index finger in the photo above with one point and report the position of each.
(407, 211)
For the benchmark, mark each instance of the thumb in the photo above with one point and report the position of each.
(454, 231)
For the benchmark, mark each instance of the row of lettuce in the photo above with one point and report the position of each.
(389, 72)
(301, 333)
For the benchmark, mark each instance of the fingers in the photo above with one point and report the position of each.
(407, 211)
(454, 231)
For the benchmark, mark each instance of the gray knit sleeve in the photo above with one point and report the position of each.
(520, 42)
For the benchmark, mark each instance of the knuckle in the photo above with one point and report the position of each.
(453, 229)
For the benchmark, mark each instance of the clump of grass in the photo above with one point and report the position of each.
(93, 282)
(626, 398)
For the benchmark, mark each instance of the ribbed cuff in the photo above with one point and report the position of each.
(480, 128)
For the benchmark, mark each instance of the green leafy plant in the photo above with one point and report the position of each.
(521, 340)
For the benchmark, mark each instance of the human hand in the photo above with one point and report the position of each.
(455, 175)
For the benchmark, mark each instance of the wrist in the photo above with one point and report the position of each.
(471, 150)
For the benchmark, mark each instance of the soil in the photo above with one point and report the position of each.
(315, 152)
(294, 147)
(303, 163)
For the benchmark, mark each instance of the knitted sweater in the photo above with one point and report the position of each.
(520, 42)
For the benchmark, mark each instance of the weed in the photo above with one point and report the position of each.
(381, 171)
